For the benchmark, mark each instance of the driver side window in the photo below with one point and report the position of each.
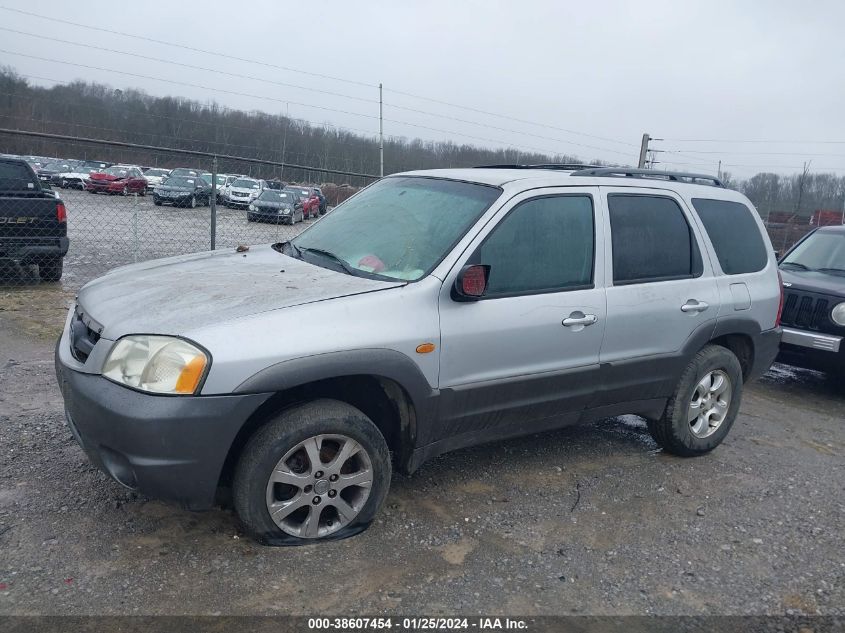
(543, 245)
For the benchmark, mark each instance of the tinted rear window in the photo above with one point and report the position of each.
(651, 240)
(734, 233)
(14, 176)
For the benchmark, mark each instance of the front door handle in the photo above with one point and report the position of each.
(694, 306)
(579, 318)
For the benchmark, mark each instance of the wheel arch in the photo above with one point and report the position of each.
(383, 384)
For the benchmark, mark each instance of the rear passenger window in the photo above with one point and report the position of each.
(735, 235)
(543, 245)
(651, 240)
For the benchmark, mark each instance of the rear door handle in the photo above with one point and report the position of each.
(694, 306)
(579, 318)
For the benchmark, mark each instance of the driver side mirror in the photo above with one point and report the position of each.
(471, 282)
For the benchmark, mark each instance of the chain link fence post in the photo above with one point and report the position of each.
(213, 202)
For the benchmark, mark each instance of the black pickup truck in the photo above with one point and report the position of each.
(33, 221)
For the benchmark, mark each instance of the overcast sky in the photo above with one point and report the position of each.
(681, 70)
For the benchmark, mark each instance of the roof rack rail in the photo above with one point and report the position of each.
(559, 166)
(675, 176)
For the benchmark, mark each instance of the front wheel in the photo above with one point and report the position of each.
(320, 470)
(704, 406)
(50, 269)
(192, 202)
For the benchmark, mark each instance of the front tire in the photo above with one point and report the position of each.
(704, 406)
(322, 469)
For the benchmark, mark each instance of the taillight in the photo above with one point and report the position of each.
(61, 212)
(780, 305)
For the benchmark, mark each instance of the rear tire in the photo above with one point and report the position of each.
(704, 406)
(300, 436)
(157, 202)
(50, 269)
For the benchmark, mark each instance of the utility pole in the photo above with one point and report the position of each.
(643, 151)
(285, 141)
(380, 134)
(719, 171)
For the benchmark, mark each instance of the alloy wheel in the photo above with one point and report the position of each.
(710, 402)
(319, 486)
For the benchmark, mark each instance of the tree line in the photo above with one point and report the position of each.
(94, 110)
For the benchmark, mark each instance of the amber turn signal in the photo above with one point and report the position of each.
(425, 348)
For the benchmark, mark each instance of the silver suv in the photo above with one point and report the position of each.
(450, 307)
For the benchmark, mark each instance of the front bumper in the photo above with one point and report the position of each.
(812, 350)
(108, 187)
(168, 447)
(180, 199)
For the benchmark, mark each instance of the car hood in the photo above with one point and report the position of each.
(174, 188)
(181, 294)
(106, 177)
(269, 204)
(243, 190)
(814, 281)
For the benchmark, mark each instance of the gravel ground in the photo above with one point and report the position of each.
(587, 520)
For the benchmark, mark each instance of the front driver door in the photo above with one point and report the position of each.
(525, 355)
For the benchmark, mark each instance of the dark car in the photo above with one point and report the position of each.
(33, 221)
(813, 315)
(276, 206)
(182, 192)
(46, 173)
(278, 185)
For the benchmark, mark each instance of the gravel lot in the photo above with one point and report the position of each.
(587, 520)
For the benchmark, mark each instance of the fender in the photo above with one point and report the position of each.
(382, 363)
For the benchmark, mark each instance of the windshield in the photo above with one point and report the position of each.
(272, 195)
(188, 183)
(823, 251)
(302, 193)
(57, 167)
(117, 171)
(184, 171)
(156, 172)
(398, 228)
(241, 183)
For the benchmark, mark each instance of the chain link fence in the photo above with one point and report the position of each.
(118, 210)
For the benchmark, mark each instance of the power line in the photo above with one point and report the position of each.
(307, 105)
(510, 118)
(693, 151)
(190, 48)
(325, 92)
(333, 78)
(785, 142)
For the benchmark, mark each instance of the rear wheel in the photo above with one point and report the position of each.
(320, 470)
(704, 406)
(50, 268)
(157, 202)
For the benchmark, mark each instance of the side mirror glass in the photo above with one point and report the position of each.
(471, 283)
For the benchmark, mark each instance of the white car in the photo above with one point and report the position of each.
(223, 192)
(243, 191)
(155, 176)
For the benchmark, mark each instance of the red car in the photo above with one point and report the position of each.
(309, 199)
(122, 179)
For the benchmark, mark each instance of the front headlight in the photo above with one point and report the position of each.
(252, 207)
(838, 314)
(157, 364)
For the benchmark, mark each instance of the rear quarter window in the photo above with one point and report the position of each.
(15, 176)
(734, 233)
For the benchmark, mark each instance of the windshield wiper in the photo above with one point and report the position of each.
(329, 255)
(801, 266)
(835, 271)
